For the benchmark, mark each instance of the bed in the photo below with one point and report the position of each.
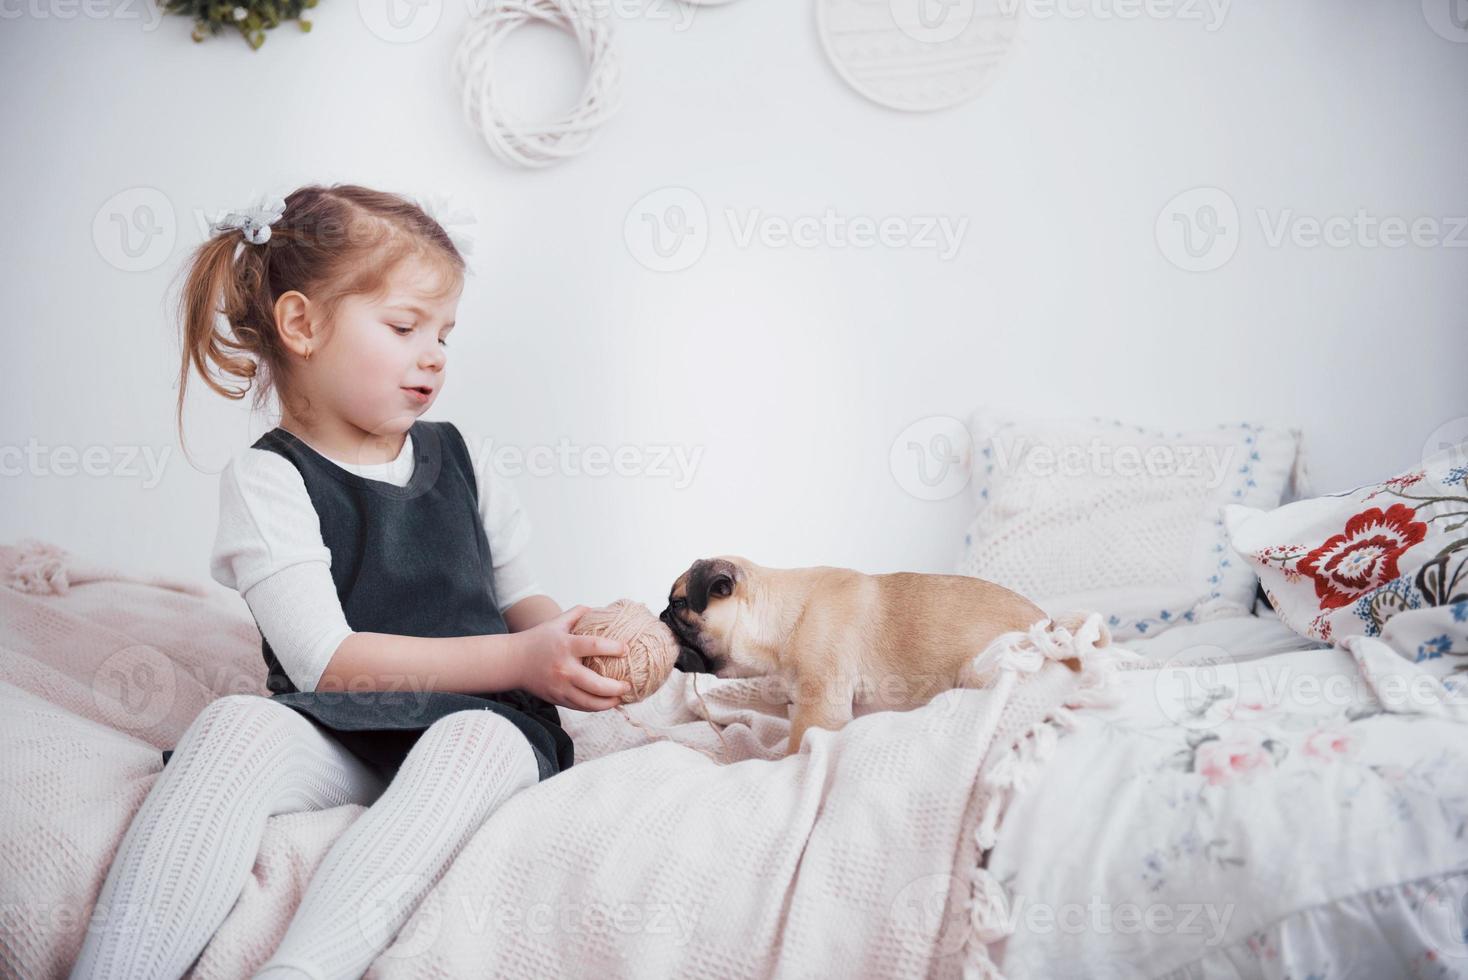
(1250, 809)
(1216, 816)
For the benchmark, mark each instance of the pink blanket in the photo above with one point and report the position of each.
(664, 851)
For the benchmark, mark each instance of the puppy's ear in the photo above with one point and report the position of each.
(710, 578)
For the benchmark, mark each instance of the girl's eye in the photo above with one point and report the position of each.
(400, 331)
(442, 341)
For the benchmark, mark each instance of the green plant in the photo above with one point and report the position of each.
(252, 18)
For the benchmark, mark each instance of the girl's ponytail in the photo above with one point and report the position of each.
(221, 283)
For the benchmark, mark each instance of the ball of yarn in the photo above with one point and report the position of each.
(651, 647)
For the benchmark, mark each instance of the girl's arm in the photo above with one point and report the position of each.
(461, 664)
(465, 664)
(530, 612)
(545, 660)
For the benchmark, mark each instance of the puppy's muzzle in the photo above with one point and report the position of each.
(690, 658)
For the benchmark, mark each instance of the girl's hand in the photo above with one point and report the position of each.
(552, 670)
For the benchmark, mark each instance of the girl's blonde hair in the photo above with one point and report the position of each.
(330, 243)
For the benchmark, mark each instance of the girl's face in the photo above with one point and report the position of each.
(385, 361)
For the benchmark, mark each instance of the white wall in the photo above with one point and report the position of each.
(791, 370)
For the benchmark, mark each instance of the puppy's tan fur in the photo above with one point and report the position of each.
(840, 637)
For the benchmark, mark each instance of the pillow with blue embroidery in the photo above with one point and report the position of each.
(1123, 519)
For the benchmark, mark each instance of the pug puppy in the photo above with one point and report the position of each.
(839, 637)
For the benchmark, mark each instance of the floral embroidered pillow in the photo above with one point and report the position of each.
(1343, 565)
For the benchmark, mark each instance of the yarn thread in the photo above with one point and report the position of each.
(537, 144)
(657, 736)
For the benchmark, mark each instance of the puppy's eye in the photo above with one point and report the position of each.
(678, 603)
(723, 587)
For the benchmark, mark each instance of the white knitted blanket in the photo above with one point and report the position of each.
(857, 857)
(667, 850)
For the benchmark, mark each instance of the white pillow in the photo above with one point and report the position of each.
(1101, 515)
(1345, 564)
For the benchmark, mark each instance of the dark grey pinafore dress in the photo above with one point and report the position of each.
(412, 560)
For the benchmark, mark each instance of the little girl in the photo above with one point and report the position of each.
(415, 668)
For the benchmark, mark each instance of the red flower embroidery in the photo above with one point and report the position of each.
(1364, 556)
(1406, 480)
(1397, 484)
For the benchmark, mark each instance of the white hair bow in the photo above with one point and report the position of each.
(255, 222)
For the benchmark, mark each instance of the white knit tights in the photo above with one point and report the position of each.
(188, 852)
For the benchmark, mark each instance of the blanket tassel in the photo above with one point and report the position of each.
(1021, 763)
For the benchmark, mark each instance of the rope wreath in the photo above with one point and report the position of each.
(534, 144)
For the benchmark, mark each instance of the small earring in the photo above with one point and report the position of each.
(308, 353)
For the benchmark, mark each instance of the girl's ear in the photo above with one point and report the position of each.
(294, 323)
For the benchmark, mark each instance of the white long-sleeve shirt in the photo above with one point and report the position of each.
(269, 548)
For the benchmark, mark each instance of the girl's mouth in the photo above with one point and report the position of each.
(420, 395)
